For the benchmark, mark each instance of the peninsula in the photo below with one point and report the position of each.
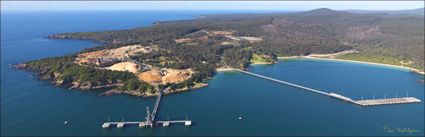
(183, 55)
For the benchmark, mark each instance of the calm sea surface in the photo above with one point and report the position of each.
(32, 107)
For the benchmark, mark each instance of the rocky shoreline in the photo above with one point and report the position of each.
(148, 94)
(55, 78)
(61, 83)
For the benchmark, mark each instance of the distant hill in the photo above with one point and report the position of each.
(419, 11)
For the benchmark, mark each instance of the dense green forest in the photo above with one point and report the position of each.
(317, 31)
(377, 35)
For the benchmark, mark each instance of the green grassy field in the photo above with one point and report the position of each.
(257, 58)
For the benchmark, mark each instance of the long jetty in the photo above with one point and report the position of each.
(283, 82)
(155, 109)
(362, 102)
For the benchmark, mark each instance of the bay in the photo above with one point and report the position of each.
(33, 107)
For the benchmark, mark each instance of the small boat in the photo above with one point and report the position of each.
(66, 122)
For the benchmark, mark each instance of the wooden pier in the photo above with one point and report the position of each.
(373, 102)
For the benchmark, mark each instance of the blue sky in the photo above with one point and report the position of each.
(206, 5)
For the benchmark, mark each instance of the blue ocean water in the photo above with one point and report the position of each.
(33, 107)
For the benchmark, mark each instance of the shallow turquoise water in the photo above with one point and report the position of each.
(32, 107)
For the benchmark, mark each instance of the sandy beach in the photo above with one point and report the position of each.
(353, 61)
(371, 63)
(262, 63)
(333, 58)
(224, 69)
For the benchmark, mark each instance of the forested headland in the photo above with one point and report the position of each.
(202, 45)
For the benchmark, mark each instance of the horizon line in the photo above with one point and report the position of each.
(208, 5)
(298, 10)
